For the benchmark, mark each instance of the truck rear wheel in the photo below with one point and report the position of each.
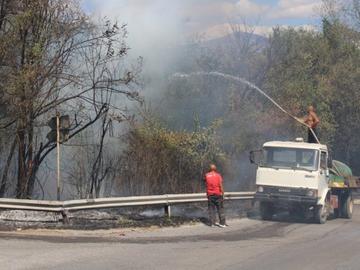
(347, 206)
(266, 210)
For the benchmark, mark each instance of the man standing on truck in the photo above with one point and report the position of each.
(312, 121)
(215, 194)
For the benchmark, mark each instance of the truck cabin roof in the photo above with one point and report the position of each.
(291, 144)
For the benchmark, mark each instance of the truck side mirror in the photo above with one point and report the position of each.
(255, 156)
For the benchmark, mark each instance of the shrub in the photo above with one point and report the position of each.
(158, 160)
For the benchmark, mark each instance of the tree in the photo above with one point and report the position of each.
(298, 77)
(321, 68)
(54, 59)
(343, 82)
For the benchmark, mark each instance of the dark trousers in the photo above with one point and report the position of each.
(311, 137)
(216, 203)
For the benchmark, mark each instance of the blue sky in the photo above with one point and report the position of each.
(308, 12)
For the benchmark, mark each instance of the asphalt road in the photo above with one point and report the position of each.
(246, 244)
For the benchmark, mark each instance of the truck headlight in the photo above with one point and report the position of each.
(260, 189)
(311, 193)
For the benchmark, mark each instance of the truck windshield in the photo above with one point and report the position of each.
(292, 158)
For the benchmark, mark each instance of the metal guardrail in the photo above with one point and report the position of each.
(167, 200)
(75, 205)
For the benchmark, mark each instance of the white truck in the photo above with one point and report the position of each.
(301, 178)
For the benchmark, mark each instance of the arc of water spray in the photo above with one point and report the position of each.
(251, 85)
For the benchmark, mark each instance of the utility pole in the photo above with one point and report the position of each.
(58, 154)
(59, 133)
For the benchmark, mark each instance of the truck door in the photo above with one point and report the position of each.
(323, 165)
(323, 176)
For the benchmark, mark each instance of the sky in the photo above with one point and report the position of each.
(208, 17)
(166, 23)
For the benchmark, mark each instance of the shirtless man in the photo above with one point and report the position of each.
(312, 121)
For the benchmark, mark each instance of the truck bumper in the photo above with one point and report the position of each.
(271, 197)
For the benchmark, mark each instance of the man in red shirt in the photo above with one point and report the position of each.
(215, 193)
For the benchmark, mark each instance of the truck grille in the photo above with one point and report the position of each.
(286, 190)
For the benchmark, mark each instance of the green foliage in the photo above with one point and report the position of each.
(158, 160)
(321, 69)
(298, 75)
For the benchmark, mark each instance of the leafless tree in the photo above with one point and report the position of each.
(54, 59)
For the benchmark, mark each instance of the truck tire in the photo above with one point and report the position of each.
(321, 214)
(322, 211)
(266, 210)
(347, 206)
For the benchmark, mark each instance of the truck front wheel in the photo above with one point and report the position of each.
(347, 206)
(321, 214)
(266, 210)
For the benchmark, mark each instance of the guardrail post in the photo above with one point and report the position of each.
(167, 210)
(65, 218)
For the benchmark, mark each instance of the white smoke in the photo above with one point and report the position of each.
(152, 25)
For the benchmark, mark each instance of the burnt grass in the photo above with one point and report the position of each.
(140, 217)
(89, 224)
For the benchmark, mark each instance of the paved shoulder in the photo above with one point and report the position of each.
(246, 244)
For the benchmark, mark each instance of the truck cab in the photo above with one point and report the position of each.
(294, 175)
